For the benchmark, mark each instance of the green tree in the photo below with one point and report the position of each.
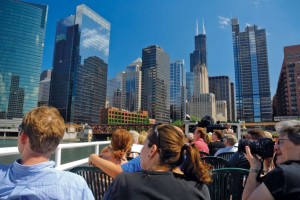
(195, 119)
(178, 123)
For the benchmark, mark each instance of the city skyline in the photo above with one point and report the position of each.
(172, 24)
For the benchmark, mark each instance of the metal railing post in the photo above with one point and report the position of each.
(58, 156)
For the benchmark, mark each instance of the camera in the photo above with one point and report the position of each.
(264, 147)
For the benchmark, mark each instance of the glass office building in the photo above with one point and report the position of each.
(132, 86)
(79, 76)
(156, 83)
(253, 96)
(177, 90)
(22, 35)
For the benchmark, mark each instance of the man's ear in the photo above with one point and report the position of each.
(23, 138)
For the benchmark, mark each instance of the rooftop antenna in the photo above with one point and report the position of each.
(203, 28)
(196, 27)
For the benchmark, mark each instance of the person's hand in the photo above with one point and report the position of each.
(253, 160)
(91, 158)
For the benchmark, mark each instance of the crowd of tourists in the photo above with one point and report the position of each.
(169, 165)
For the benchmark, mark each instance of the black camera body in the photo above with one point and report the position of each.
(264, 147)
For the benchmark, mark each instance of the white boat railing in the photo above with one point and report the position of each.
(6, 151)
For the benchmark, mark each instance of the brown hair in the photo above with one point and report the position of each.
(203, 134)
(121, 141)
(44, 127)
(256, 134)
(174, 152)
(219, 134)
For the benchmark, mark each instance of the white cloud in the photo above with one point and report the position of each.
(247, 24)
(91, 38)
(258, 2)
(224, 21)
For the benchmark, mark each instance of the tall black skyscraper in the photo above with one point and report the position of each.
(79, 76)
(199, 56)
(156, 83)
(253, 96)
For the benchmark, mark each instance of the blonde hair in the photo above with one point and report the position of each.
(44, 127)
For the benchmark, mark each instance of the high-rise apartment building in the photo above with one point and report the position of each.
(177, 90)
(253, 97)
(220, 86)
(79, 76)
(44, 89)
(22, 35)
(286, 101)
(156, 83)
(132, 86)
(199, 56)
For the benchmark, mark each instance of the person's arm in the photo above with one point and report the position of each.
(108, 167)
(253, 189)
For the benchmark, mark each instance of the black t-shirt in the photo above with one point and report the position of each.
(283, 182)
(148, 185)
(215, 146)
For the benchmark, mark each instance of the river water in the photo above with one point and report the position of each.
(68, 155)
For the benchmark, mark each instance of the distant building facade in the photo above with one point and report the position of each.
(79, 76)
(132, 86)
(203, 105)
(113, 85)
(221, 110)
(44, 88)
(233, 110)
(252, 82)
(118, 100)
(177, 90)
(156, 83)
(21, 61)
(286, 101)
(119, 116)
(220, 86)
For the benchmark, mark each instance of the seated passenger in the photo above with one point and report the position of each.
(34, 176)
(216, 143)
(164, 151)
(116, 152)
(199, 140)
(229, 141)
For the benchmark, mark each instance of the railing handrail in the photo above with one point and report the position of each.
(5, 151)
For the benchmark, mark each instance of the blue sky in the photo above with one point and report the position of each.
(171, 24)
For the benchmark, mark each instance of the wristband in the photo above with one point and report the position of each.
(254, 170)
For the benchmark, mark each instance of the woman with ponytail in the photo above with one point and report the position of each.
(121, 142)
(172, 169)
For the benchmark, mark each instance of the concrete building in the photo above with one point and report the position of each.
(286, 101)
(202, 105)
(44, 88)
(120, 116)
(221, 110)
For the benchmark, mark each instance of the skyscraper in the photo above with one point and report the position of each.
(44, 89)
(253, 97)
(21, 61)
(79, 76)
(177, 90)
(286, 100)
(156, 83)
(220, 86)
(132, 86)
(113, 85)
(199, 56)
